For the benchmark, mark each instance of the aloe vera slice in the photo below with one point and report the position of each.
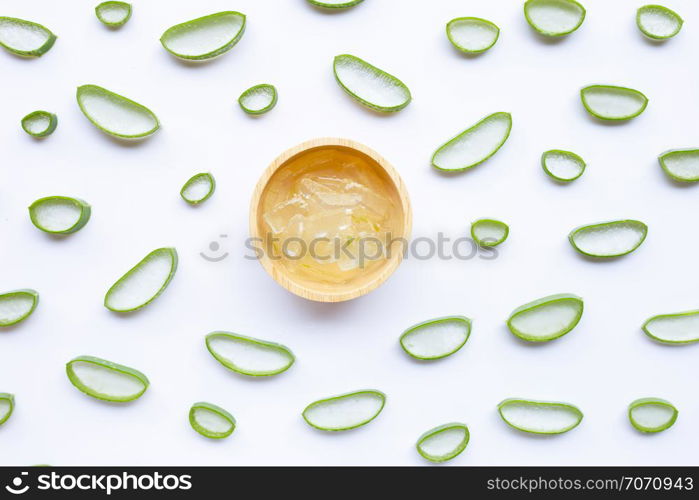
(205, 37)
(198, 188)
(346, 411)
(249, 356)
(211, 421)
(105, 380)
(608, 239)
(16, 306)
(59, 214)
(7, 406)
(608, 102)
(444, 442)
(436, 338)
(25, 38)
(681, 164)
(370, 85)
(474, 145)
(674, 328)
(489, 232)
(39, 123)
(258, 99)
(652, 414)
(658, 22)
(539, 417)
(143, 283)
(554, 17)
(335, 4)
(562, 166)
(113, 14)
(116, 115)
(472, 35)
(547, 318)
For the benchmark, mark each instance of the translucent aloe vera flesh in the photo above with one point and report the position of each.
(39, 123)
(547, 318)
(116, 115)
(674, 328)
(198, 188)
(681, 164)
(608, 239)
(335, 4)
(562, 166)
(113, 14)
(59, 214)
(258, 99)
(105, 380)
(25, 38)
(554, 17)
(609, 102)
(658, 22)
(16, 306)
(346, 411)
(652, 414)
(474, 145)
(7, 406)
(489, 232)
(205, 37)
(249, 356)
(472, 35)
(444, 442)
(370, 85)
(539, 417)
(436, 338)
(211, 421)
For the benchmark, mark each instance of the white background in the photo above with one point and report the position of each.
(601, 366)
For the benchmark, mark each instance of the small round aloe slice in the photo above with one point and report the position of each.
(113, 14)
(258, 99)
(436, 338)
(105, 380)
(489, 232)
(211, 421)
(444, 442)
(474, 145)
(16, 306)
(335, 4)
(472, 35)
(346, 411)
(608, 239)
(7, 406)
(652, 414)
(674, 328)
(25, 38)
(681, 164)
(205, 37)
(658, 22)
(144, 282)
(59, 214)
(539, 417)
(370, 85)
(39, 123)
(562, 166)
(547, 318)
(116, 115)
(554, 17)
(249, 356)
(198, 189)
(608, 102)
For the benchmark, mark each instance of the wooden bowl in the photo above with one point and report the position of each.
(362, 283)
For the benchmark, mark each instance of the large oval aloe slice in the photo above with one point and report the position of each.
(652, 414)
(547, 318)
(105, 380)
(25, 38)
(436, 338)
(39, 123)
(489, 232)
(258, 99)
(16, 306)
(346, 411)
(7, 406)
(116, 115)
(249, 356)
(658, 22)
(681, 164)
(59, 214)
(211, 421)
(113, 14)
(608, 239)
(205, 37)
(198, 189)
(444, 442)
(562, 166)
(370, 85)
(144, 282)
(474, 145)
(472, 35)
(554, 17)
(539, 417)
(609, 102)
(335, 4)
(674, 328)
